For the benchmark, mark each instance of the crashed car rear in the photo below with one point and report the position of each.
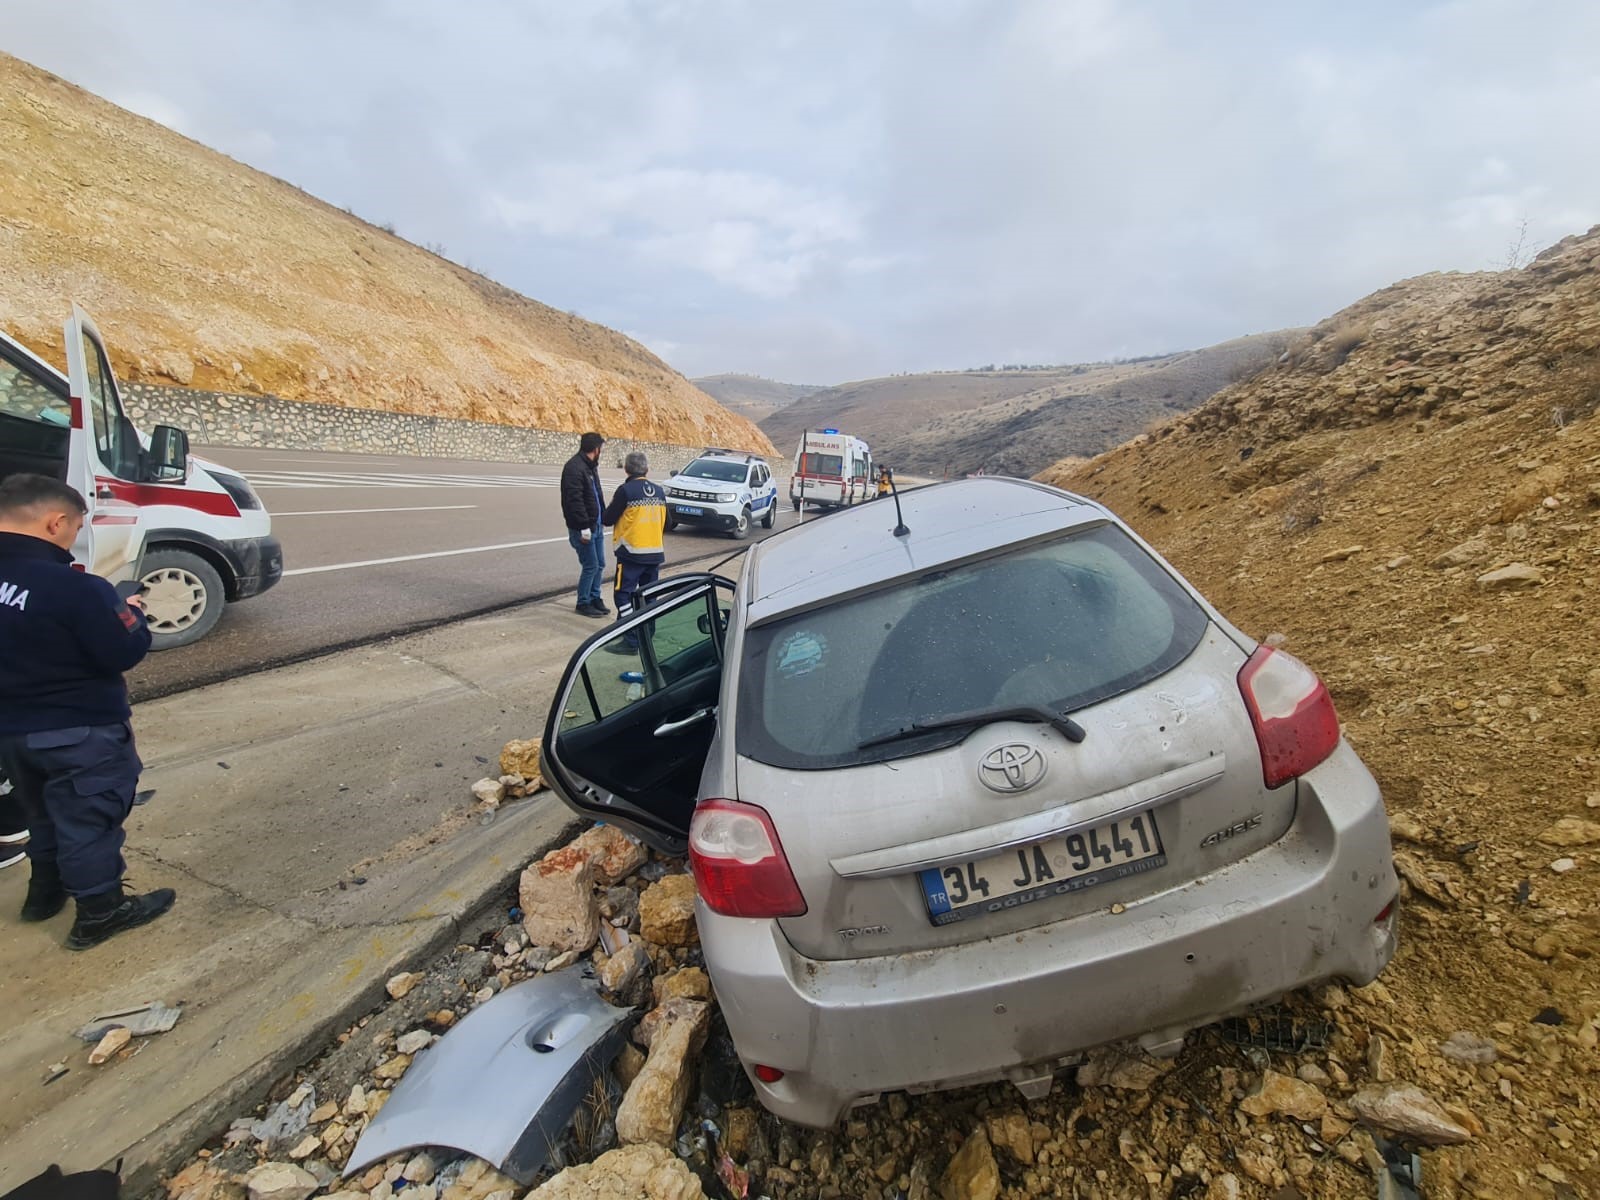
(965, 802)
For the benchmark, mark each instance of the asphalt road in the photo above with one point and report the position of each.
(377, 545)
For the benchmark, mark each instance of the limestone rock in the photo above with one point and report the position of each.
(1125, 1067)
(402, 983)
(623, 967)
(558, 904)
(521, 757)
(1518, 574)
(355, 1104)
(1013, 1133)
(202, 1180)
(1571, 831)
(629, 1062)
(689, 983)
(1408, 1111)
(654, 1104)
(666, 912)
(614, 854)
(1225, 1187)
(114, 1040)
(1283, 1095)
(643, 1172)
(972, 1173)
(478, 1181)
(421, 1169)
(1473, 550)
(279, 1181)
(489, 791)
(1464, 1047)
(410, 1043)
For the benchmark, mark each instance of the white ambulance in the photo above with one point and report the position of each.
(193, 531)
(831, 469)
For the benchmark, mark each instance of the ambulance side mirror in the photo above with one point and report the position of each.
(169, 455)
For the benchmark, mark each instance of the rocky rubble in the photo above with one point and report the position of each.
(1447, 426)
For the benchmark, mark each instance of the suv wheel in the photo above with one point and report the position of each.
(742, 529)
(184, 597)
(671, 525)
(770, 515)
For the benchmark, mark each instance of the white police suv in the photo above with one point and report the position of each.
(723, 489)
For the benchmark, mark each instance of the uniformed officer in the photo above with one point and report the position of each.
(65, 738)
(638, 515)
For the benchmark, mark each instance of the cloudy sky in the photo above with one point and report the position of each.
(834, 190)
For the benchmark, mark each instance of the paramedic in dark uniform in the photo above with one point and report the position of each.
(65, 739)
(638, 517)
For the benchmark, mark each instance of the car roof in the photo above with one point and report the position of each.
(854, 550)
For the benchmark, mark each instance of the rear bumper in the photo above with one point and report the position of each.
(1295, 913)
(258, 564)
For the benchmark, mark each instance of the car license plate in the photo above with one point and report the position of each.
(685, 510)
(1012, 878)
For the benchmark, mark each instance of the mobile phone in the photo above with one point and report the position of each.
(131, 587)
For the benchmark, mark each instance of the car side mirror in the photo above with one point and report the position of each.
(703, 623)
(169, 455)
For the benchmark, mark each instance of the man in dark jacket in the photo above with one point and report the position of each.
(65, 739)
(582, 503)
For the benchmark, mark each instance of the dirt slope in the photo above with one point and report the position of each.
(751, 396)
(1361, 499)
(203, 272)
(1018, 421)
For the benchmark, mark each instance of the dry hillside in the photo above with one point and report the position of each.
(1018, 421)
(206, 273)
(751, 396)
(1413, 499)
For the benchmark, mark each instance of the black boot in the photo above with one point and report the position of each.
(46, 896)
(106, 914)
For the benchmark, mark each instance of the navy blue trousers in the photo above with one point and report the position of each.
(75, 787)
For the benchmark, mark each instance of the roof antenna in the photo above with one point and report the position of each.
(900, 529)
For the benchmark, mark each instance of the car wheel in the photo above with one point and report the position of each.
(184, 597)
(742, 529)
(671, 525)
(770, 516)
(796, 504)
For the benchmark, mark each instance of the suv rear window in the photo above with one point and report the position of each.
(1066, 624)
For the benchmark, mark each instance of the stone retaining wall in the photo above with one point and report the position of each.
(271, 423)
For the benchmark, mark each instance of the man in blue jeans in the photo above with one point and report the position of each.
(581, 505)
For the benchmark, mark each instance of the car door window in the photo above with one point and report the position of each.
(678, 643)
(111, 430)
(22, 395)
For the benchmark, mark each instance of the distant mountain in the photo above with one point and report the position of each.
(751, 396)
(1016, 421)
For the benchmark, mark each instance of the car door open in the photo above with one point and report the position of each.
(635, 712)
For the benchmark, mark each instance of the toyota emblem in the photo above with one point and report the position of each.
(1013, 767)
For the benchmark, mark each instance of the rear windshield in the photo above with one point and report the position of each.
(1066, 624)
(713, 468)
(822, 464)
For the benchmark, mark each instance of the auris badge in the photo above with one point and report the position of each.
(1013, 767)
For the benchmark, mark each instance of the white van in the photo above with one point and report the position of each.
(831, 469)
(195, 532)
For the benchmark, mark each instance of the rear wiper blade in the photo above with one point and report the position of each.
(1065, 725)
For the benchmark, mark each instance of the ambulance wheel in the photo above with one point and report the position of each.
(770, 516)
(184, 597)
(796, 504)
(742, 530)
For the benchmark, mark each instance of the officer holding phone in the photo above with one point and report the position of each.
(65, 738)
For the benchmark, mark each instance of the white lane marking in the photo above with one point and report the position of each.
(380, 562)
(345, 512)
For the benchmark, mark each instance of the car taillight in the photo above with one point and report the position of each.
(738, 863)
(1292, 712)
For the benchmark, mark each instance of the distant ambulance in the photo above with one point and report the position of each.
(831, 469)
(195, 532)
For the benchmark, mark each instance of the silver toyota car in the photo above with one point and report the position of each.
(968, 793)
